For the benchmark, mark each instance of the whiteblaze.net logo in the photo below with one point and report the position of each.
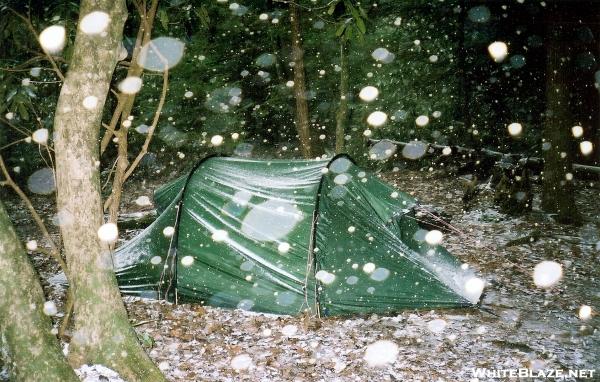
(530, 373)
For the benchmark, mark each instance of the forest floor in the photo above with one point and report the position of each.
(529, 328)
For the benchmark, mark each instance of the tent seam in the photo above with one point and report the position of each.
(313, 230)
(178, 217)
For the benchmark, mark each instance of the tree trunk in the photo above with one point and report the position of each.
(127, 101)
(342, 112)
(557, 190)
(33, 353)
(102, 333)
(463, 75)
(119, 179)
(302, 119)
(135, 70)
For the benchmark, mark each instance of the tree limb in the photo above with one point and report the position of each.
(126, 100)
(54, 251)
(35, 33)
(144, 149)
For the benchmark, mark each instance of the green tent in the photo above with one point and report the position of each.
(288, 236)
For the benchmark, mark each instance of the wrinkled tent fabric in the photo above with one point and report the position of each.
(286, 237)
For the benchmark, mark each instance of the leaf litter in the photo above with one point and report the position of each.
(523, 326)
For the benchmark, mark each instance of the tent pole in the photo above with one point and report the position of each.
(313, 231)
(175, 237)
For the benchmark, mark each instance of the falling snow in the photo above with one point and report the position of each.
(426, 106)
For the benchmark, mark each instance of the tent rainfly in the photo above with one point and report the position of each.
(287, 237)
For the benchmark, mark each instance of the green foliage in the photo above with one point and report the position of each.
(350, 19)
(146, 340)
(237, 64)
(28, 85)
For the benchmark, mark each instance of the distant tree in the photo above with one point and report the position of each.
(558, 192)
(302, 117)
(351, 24)
(32, 351)
(102, 333)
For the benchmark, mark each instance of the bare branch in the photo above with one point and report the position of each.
(122, 172)
(161, 103)
(26, 133)
(35, 33)
(12, 144)
(126, 101)
(305, 7)
(54, 251)
(119, 177)
(110, 129)
(24, 65)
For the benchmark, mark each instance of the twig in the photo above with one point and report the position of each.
(45, 82)
(36, 35)
(54, 252)
(26, 133)
(126, 100)
(112, 169)
(110, 129)
(15, 70)
(12, 143)
(161, 103)
(119, 177)
(42, 156)
(142, 323)
(37, 117)
(305, 7)
(25, 64)
(126, 105)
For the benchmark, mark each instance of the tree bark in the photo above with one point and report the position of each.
(557, 191)
(33, 352)
(102, 333)
(119, 179)
(302, 118)
(464, 80)
(342, 112)
(126, 102)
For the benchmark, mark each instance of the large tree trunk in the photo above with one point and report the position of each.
(342, 112)
(102, 333)
(302, 118)
(32, 352)
(557, 190)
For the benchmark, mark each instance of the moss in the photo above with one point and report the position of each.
(32, 353)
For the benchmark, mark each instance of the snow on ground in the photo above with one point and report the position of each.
(97, 373)
(523, 325)
(527, 327)
(193, 343)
